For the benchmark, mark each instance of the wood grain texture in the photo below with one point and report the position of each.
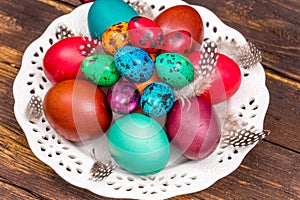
(269, 171)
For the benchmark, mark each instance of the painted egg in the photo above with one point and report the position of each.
(134, 64)
(100, 69)
(143, 85)
(177, 41)
(103, 14)
(123, 97)
(182, 17)
(175, 69)
(115, 37)
(63, 59)
(194, 129)
(77, 110)
(157, 99)
(153, 56)
(195, 59)
(145, 33)
(226, 82)
(139, 144)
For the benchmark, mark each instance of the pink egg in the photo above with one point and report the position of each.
(123, 97)
(194, 129)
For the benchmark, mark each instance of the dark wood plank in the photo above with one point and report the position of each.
(270, 171)
(21, 23)
(283, 115)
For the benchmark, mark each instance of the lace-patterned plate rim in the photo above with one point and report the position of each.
(72, 163)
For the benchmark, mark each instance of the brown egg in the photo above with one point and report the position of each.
(182, 17)
(77, 110)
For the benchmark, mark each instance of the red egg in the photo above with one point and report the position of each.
(77, 110)
(195, 59)
(145, 33)
(177, 41)
(63, 59)
(226, 81)
(193, 130)
(182, 17)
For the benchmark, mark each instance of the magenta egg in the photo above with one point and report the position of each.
(194, 129)
(145, 34)
(179, 41)
(123, 97)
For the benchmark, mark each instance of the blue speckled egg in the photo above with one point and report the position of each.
(174, 69)
(134, 63)
(157, 99)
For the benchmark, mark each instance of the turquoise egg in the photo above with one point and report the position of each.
(139, 144)
(134, 63)
(157, 99)
(100, 69)
(174, 69)
(103, 14)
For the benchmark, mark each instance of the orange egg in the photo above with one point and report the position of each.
(153, 56)
(115, 37)
(138, 109)
(142, 86)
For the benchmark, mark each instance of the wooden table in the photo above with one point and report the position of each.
(270, 171)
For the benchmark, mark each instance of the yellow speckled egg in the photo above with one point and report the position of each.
(114, 37)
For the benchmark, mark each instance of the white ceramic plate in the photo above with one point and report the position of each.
(73, 161)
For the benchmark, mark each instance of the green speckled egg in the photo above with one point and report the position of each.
(105, 13)
(100, 69)
(139, 144)
(174, 69)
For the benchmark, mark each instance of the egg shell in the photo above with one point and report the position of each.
(115, 37)
(226, 82)
(157, 99)
(77, 110)
(195, 59)
(100, 69)
(182, 17)
(134, 64)
(193, 129)
(103, 14)
(139, 144)
(62, 60)
(174, 69)
(123, 97)
(177, 41)
(143, 85)
(145, 33)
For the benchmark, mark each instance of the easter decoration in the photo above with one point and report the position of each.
(133, 69)
(134, 49)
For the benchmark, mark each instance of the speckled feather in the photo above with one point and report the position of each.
(204, 75)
